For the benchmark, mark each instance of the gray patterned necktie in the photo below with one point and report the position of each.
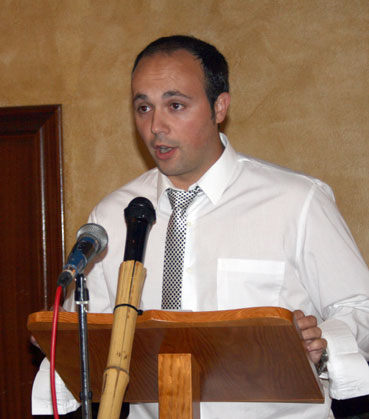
(175, 244)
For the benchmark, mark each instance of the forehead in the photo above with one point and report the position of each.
(175, 71)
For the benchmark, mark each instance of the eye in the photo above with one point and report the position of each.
(176, 106)
(143, 108)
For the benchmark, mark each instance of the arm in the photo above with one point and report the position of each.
(337, 280)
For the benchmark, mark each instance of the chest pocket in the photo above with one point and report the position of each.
(248, 283)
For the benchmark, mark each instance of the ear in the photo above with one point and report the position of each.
(221, 107)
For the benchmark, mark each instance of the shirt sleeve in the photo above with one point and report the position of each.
(347, 369)
(337, 280)
(41, 393)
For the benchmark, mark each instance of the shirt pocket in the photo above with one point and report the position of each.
(248, 283)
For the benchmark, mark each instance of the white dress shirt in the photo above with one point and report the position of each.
(258, 235)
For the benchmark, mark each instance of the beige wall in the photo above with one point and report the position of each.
(299, 80)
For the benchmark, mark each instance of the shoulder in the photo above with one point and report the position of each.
(283, 180)
(115, 202)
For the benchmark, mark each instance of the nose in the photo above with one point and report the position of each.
(158, 123)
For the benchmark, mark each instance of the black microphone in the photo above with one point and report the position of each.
(92, 239)
(139, 216)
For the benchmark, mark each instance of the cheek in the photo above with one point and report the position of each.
(142, 126)
(193, 126)
(201, 134)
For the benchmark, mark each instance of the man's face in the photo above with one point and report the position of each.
(174, 118)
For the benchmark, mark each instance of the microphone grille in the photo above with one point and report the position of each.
(95, 231)
(140, 208)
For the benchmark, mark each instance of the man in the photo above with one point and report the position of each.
(255, 234)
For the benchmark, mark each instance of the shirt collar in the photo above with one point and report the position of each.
(216, 179)
(214, 182)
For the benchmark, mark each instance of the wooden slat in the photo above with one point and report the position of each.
(179, 396)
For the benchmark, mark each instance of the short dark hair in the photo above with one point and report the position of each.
(212, 61)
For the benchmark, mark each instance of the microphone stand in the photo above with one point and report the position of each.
(81, 297)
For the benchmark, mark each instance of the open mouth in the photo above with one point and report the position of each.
(163, 149)
(164, 152)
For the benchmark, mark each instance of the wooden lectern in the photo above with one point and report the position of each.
(182, 358)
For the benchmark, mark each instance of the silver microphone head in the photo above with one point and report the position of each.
(97, 232)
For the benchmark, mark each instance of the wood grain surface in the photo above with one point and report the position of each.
(253, 354)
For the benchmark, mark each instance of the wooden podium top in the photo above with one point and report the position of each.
(253, 354)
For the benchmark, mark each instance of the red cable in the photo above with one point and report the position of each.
(52, 350)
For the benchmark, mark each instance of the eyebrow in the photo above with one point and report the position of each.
(172, 93)
(169, 93)
(140, 96)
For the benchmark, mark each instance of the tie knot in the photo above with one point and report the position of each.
(182, 199)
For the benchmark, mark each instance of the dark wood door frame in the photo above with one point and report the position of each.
(32, 240)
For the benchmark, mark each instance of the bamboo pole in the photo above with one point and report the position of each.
(116, 375)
